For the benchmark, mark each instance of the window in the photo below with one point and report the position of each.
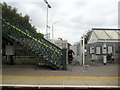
(110, 49)
(98, 50)
(91, 50)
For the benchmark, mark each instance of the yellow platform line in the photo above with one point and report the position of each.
(20, 56)
(80, 77)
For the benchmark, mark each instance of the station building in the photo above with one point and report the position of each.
(94, 49)
(97, 39)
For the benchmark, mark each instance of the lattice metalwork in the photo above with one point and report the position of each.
(39, 47)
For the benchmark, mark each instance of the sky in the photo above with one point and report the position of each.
(70, 18)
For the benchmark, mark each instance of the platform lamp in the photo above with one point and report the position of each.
(48, 6)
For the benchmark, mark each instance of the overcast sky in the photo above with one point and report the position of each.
(73, 17)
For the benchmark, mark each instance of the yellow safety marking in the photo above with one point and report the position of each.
(19, 56)
(23, 56)
(67, 77)
(33, 38)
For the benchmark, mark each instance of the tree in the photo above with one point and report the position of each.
(87, 36)
(11, 13)
(41, 34)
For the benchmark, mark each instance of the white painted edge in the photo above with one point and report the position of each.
(60, 86)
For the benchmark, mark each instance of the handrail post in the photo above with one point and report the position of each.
(64, 59)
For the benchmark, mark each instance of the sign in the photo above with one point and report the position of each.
(9, 50)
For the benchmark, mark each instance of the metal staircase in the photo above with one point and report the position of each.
(39, 47)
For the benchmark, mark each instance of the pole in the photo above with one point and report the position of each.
(47, 24)
(48, 6)
(83, 50)
(104, 53)
(92, 53)
(52, 34)
(53, 30)
(0, 46)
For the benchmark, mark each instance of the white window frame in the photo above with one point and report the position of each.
(110, 49)
(98, 50)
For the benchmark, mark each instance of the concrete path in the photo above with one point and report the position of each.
(99, 75)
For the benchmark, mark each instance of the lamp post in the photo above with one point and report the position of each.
(53, 30)
(48, 6)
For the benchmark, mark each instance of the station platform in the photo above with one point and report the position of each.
(76, 76)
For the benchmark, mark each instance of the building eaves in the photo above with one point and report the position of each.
(103, 29)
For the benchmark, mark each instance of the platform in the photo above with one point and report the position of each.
(75, 76)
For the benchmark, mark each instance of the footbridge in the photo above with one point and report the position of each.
(41, 48)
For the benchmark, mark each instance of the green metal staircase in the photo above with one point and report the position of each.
(44, 50)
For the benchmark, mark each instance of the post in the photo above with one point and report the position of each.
(52, 34)
(53, 30)
(0, 46)
(93, 53)
(64, 59)
(104, 54)
(48, 6)
(83, 50)
(47, 24)
(119, 16)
